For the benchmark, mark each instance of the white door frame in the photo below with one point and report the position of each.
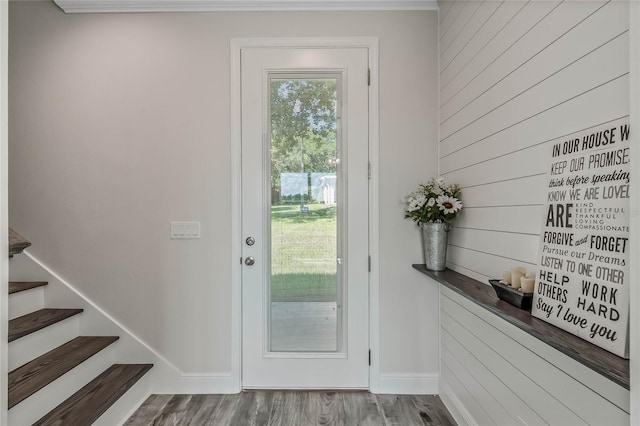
(236, 45)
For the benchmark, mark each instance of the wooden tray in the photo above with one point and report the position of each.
(511, 295)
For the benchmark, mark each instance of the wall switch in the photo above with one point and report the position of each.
(185, 230)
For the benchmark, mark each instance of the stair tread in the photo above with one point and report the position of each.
(34, 321)
(26, 380)
(17, 243)
(90, 402)
(18, 286)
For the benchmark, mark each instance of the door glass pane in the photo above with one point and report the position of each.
(305, 288)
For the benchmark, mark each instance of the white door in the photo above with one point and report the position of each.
(305, 281)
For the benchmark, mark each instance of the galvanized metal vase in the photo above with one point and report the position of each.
(434, 241)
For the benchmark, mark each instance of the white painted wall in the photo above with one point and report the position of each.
(120, 124)
(514, 76)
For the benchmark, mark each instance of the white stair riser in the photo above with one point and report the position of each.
(127, 404)
(35, 344)
(25, 302)
(47, 398)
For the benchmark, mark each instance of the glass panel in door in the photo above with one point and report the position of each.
(305, 288)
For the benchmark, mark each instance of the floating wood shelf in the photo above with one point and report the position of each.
(599, 360)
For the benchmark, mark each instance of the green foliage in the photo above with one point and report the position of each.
(303, 128)
(303, 288)
(294, 199)
(303, 254)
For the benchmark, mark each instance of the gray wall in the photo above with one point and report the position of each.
(120, 124)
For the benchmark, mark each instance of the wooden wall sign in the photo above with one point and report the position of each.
(582, 283)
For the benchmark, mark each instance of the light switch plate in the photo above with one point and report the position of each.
(181, 230)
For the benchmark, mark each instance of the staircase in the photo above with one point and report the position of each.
(57, 377)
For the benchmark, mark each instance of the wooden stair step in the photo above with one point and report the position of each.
(90, 402)
(18, 286)
(28, 379)
(17, 243)
(27, 324)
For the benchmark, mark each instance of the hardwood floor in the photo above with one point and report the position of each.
(291, 408)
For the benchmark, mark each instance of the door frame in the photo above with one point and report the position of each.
(236, 46)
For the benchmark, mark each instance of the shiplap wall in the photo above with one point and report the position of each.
(493, 373)
(514, 77)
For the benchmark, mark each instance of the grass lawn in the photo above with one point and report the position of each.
(303, 253)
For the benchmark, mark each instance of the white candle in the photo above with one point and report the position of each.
(506, 277)
(527, 283)
(516, 274)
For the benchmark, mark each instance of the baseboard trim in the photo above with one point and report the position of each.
(135, 408)
(208, 383)
(457, 409)
(416, 384)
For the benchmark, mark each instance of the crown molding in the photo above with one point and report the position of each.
(120, 6)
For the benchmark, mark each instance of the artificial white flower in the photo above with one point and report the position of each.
(416, 202)
(448, 204)
(434, 202)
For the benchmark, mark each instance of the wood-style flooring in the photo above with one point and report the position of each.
(292, 408)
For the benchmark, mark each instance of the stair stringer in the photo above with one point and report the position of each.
(164, 377)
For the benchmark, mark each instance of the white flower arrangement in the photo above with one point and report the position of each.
(435, 201)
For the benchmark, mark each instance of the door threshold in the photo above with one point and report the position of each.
(342, 390)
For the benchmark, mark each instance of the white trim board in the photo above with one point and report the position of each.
(236, 45)
(457, 409)
(409, 384)
(133, 6)
(200, 383)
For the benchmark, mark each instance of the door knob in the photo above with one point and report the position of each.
(249, 261)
